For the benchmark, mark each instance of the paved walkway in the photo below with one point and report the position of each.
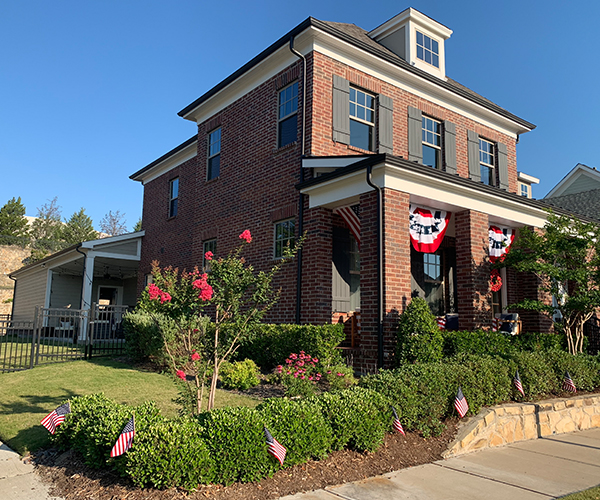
(538, 470)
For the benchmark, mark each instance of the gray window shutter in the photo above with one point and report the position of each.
(450, 147)
(415, 135)
(340, 286)
(386, 124)
(341, 110)
(473, 150)
(502, 165)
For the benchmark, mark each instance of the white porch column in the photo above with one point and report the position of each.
(86, 295)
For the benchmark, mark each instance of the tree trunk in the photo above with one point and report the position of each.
(213, 383)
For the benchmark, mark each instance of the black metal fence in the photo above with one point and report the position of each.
(61, 334)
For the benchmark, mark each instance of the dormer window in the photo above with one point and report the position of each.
(428, 50)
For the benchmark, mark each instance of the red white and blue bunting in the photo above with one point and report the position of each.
(427, 228)
(500, 241)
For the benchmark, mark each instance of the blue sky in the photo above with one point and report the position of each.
(89, 91)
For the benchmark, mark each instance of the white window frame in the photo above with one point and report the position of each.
(280, 118)
(366, 108)
(527, 189)
(424, 132)
(172, 198)
(291, 240)
(491, 155)
(215, 154)
(425, 49)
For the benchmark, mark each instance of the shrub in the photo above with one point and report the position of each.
(143, 334)
(299, 374)
(340, 377)
(419, 337)
(269, 345)
(299, 426)
(240, 375)
(478, 342)
(359, 417)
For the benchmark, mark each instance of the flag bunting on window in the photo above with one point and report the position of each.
(518, 384)
(500, 241)
(274, 447)
(460, 403)
(568, 384)
(441, 321)
(427, 228)
(56, 417)
(125, 439)
(397, 425)
(351, 216)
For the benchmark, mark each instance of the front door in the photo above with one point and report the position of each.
(110, 295)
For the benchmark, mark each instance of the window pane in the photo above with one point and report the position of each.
(419, 38)
(427, 56)
(431, 156)
(360, 97)
(361, 135)
(427, 43)
(435, 60)
(287, 131)
(420, 53)
(352, 94)
(487, 175)
(352, 109)
(434, 46)
(360, 112)
(214, 166)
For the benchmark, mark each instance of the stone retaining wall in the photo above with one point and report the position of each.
(510, 423)
(11, 259)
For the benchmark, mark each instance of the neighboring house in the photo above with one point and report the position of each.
(578, 191)
(342, 134)
(109, 266)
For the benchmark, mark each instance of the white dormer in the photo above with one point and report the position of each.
(417, 39)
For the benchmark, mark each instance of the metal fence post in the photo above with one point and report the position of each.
(33, 335)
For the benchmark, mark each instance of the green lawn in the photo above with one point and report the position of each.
(27, 396)
(591, 494)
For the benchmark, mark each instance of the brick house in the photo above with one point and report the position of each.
(353, 137)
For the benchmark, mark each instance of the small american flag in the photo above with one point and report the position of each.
(397, 425)
(568, 384)
(351, 218)
(460, 403)
(441, 321)
(274, 448)
(56, 417)
(125, 439)
(496, 324)
(517, 383)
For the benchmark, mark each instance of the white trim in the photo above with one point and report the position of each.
(577, 171)
(396, 22)
(529, 179)
(183, 155)
(48, 288)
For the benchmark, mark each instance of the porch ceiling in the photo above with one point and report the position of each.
(103, 267)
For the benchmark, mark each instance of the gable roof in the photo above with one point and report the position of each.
(359, 38)
(585, 203)
(580, 178)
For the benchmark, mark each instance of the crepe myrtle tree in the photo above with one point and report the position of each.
(239, 297)
(565, 257)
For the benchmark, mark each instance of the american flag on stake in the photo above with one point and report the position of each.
(274, 448)
(56, 417)
(568, 384)
(397, 425)
(441, 321)
(125, 439)
(496, 324)
(460, 403)
(351, 218)
(517, 383)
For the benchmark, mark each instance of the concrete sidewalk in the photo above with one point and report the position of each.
(18, 480)
(540, 469)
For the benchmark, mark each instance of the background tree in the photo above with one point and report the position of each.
(48, 221)
(113, 224)
(566, 259)
(138, 225)
(13, 224)
(79, 228)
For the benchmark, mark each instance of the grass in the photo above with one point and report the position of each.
(591, 494)
(27, 396)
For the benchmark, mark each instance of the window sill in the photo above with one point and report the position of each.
(291, 145)
(360, 150)
(214, 179)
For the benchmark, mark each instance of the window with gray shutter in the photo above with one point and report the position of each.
(386, 124)
(450, 147)
(415, 140)
(502, 165)
(473, 150)
(341, 110)
(340, 286)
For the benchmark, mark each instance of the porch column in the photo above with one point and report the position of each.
(473, 270)
(86, 294)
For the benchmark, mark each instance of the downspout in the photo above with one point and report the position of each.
(379, 266)
(301, 196)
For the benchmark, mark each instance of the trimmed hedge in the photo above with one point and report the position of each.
(269, 345)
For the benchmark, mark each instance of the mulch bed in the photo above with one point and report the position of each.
(72, 479)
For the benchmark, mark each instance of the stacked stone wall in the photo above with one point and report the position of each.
(11, 259)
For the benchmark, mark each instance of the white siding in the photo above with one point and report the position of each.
(127, 248)
(65, 290)
(30, 292)
(582, 183)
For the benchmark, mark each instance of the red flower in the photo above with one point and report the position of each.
(208, 255)
(195, 356)
(164, 297)
(246, 236)
(206, 293)
(153, 291)
(180, 374)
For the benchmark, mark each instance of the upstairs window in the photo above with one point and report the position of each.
(487, 163)
(524, 190)
(173, 196)
(432, 142)
(287, 115)
(284, 236)
(214, 154)
(208, 246)
(428, 50)
(362, 119)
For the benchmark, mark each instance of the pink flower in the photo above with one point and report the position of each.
(153, 291)
(206, 293)
(246, 236)
(302, 377)
(279, 368)
(180, 374)
(165, 297)
(340, 374)
(208, 255)
(195, 356)
(288, 361)
(296, 375)
(315, 360)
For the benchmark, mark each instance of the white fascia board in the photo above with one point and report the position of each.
(49, 264)
(435, 192)
(577, 171)
(113, 239)
(392, 24)
(117, 256)
(169, 163)
(361, 60)
(255, 76)
(527, 178)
